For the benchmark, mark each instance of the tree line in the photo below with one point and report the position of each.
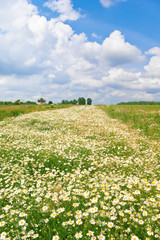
(80, 101)
(17, 102)
(139, 103)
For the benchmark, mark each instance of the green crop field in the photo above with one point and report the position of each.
(85, 172)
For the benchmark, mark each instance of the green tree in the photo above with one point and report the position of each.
(65, 102)
(74, 101)
(30, 103)
(41, 100)
(17, 102)
(81, 101)
(50, 102)
(89, 101)
(8, 103)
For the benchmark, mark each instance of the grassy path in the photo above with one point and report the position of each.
(77, 174)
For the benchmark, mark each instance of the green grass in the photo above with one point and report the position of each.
(144, 118)
(16, 110)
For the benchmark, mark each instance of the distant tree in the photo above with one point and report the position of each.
(65, 102)
(30, 103)
(50, 102)
(6, 103)
(74, 101)
(81, 101)
(41, 100)
(139, 103)
(17, 102)
(89, 101)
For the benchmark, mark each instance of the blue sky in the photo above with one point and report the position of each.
(108, 50)
(138, 20)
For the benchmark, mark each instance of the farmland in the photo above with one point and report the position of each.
(77, 173)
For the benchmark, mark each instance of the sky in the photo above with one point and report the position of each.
(106, 50)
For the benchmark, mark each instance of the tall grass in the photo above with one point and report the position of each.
(16, 110)
(144, 118)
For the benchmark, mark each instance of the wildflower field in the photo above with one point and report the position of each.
(76, 173)
(16, 110)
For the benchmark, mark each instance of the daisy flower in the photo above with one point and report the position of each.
(2, 224)
(45, 208)
(110, 224)
(56, 237)
(90, 233)
(134, 238)
(3, 235)
(101, 237)
(22, 222)
(78, 235)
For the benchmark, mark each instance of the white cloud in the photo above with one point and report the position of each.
(109, 3)
(154, 51)
(120, 76)
(142, 96)
(64, 8)
(13, 15)
(153, 68)
(116, 51)
(3, 81)
(41, 57)
(94, 35)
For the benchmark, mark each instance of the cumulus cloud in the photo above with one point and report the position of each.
(13, 15)
(121, 77)
(64, 8)
(109, 3)
(116, 51)
(118, 78)
(41, 57)
(39, 45)
(153, 68)
(154, 51)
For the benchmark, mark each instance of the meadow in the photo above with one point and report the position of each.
(144, 118)
(16, 110)
(76, 173)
